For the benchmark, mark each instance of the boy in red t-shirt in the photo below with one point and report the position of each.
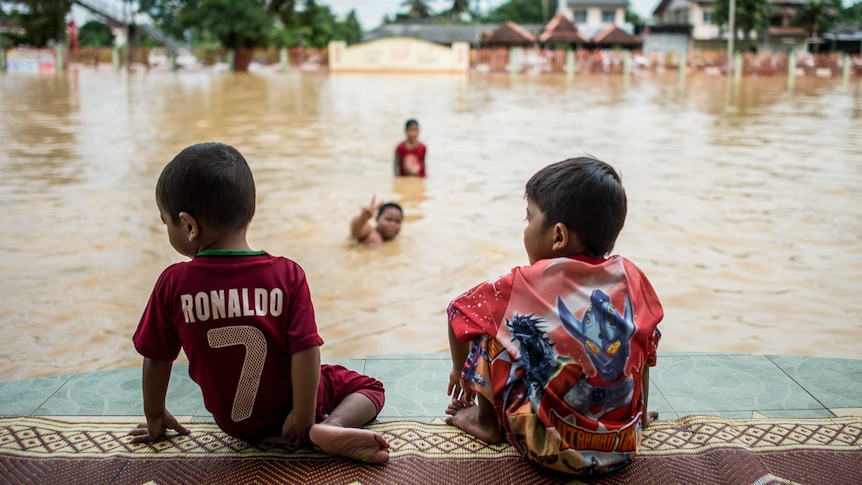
(410, 153)
(558, 352)
(246, 323)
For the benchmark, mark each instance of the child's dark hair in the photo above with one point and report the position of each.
(410, 122)
(587, 196)
(210, 181)
(387, 206)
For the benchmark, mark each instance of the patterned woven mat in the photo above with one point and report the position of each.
(692, 449)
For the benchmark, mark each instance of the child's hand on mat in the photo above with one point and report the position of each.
(458, 390)
(650, 417)
(155, 427)
(294, 431)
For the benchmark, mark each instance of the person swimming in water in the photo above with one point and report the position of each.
(387, 223)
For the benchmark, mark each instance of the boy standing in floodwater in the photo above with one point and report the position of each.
(246, 322)
(558, 352)
(410, 153)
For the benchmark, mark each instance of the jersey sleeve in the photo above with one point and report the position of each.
(302, 329)
(480, 310)
(156, 338)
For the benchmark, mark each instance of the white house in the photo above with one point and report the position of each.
(584, 13)
(696, 13)
(706, 34)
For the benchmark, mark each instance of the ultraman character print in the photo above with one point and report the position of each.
(537, 359)
(605, 335)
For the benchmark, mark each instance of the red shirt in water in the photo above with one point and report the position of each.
(405, 155)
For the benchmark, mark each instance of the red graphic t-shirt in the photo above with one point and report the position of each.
(239, 318)
(559, 348)
(406, 157)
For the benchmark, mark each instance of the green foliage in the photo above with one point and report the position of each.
(751, 16)
(237, 24)
(460, 7)
(317, 28)
(815, 17)
(42, 21)
(95, 34)
(521, 12)
(633, 18)
(417, 9)
(852, 15)
(352, 29)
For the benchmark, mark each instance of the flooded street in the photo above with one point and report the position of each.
(745, 202)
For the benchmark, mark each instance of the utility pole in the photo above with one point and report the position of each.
(732, 22)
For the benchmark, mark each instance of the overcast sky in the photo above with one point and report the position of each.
(371, 12)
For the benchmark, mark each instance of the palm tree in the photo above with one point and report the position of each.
(417, 9)
(750, 16)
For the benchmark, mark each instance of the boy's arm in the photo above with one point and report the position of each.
(459, 351)
(156, 376)
(359, 226)
(646, 417)
(305, 378)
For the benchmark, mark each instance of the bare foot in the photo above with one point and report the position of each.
(358, 444)
(470, 419)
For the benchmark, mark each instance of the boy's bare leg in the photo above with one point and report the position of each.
(339, 433)
(480, 420)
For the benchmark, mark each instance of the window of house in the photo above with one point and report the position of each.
(707, 16)
(609, 16)
(579, 16)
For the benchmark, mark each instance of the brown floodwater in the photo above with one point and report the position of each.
(745, 201)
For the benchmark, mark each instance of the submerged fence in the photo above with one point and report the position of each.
(543, 61)
(516, 60)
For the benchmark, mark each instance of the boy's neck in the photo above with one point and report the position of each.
(227, 241)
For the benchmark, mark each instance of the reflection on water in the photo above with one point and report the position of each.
(745, 206)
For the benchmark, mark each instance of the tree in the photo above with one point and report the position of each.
(852, 15)
(633, 18)
(460, 7)
(519, 11)
(95, 34)
(318, 28)
(417, 9)
(751, 16)
(815, 17)
(352, 28)
(236, 24)
(43, 21)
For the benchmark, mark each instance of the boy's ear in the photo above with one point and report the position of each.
(190, 226)
(561, 236)
(566, 240)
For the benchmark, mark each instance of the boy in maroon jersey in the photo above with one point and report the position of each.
(410, 153)
(246, 322)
